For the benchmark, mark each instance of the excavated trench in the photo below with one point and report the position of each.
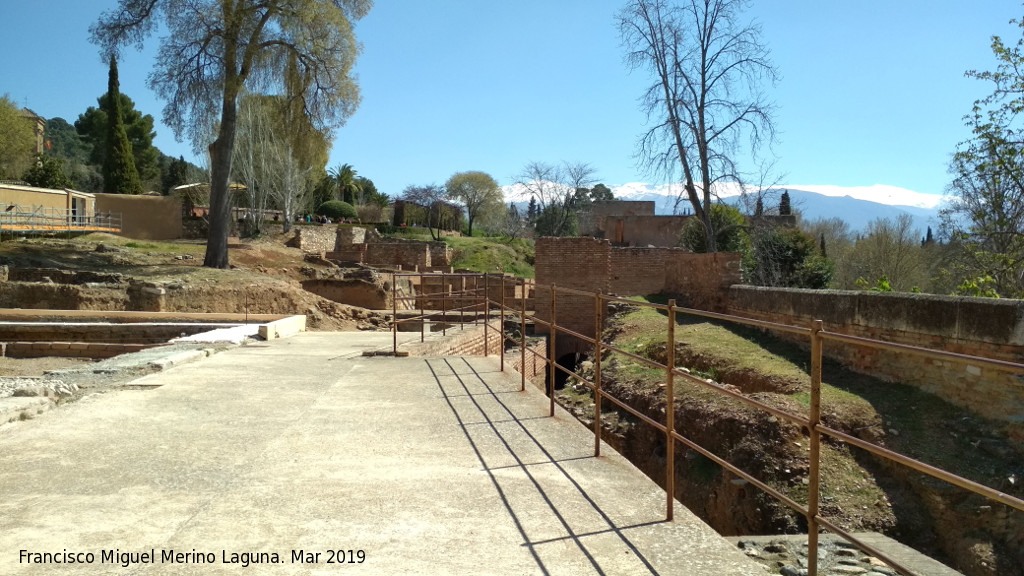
(962, 530)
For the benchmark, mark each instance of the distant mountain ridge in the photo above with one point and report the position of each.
(857, 212)
(857, 206)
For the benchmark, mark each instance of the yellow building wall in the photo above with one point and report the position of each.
(29, 199)
(144, 217)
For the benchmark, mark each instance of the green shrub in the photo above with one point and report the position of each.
(335, 209)
(386, 228)
(730, 231)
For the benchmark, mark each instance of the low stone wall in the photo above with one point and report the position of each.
(109, 333)
(408, 255)
(441, 254)
(990, 328)
(58, 276)
(95, 351)
(314, 238)
(352, 254)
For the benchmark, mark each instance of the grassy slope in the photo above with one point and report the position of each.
(898, 416)
(480, 254)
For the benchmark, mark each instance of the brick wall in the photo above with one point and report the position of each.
(592, 223)
(408, 255)
(470, 342)
(353, 253)
(440, 254)
(644, 230)
(536, 361)
(467, 342)
(638, 271)
(701, 280)
(695, 280)
(577, 263)
(981, 327)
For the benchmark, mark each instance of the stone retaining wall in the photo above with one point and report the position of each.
(314, 238)
(991, 328)
(69, 349)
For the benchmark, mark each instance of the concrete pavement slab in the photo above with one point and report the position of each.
(289, 455)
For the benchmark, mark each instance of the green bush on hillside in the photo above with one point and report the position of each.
(335, 209)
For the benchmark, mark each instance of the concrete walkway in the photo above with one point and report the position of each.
(411, 465)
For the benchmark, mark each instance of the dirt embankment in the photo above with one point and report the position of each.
(103, 272)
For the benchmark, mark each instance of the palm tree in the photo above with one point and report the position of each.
(348, 184)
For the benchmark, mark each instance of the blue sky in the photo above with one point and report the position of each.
(871, 92)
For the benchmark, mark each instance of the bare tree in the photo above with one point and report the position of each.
(891, 248)
(705, 99)
(214, 49)
(557, 190)
(433, 198)
(250, 163)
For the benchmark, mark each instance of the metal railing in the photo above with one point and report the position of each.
(14, 218)
(817, 335)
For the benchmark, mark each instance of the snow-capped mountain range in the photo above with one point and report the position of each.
(857, 205)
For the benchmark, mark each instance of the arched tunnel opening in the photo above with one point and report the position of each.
(569, 361)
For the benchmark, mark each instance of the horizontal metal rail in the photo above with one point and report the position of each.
(15, 218)
(745, 399)
(728, 466)
(1001, 365)
(923, 468)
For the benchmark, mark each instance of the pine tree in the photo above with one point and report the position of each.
(759, 207)
(784, 206)
(821, 244)
(119, 173)
(531, 209)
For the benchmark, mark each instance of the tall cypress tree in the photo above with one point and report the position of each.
(119, 173)
(785, 208)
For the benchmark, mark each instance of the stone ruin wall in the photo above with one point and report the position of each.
(314, 238)
(590, 264)
(990, 328)
(354, 244)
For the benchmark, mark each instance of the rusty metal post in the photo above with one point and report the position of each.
(501, 326)
(522, 344)
(670, 412)
(552, 359)
(598, 329)
(487, 311)
(444, 306)
(423, 312)
(394, 313)
(814, 419)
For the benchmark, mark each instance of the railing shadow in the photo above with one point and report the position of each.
(457, 380)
